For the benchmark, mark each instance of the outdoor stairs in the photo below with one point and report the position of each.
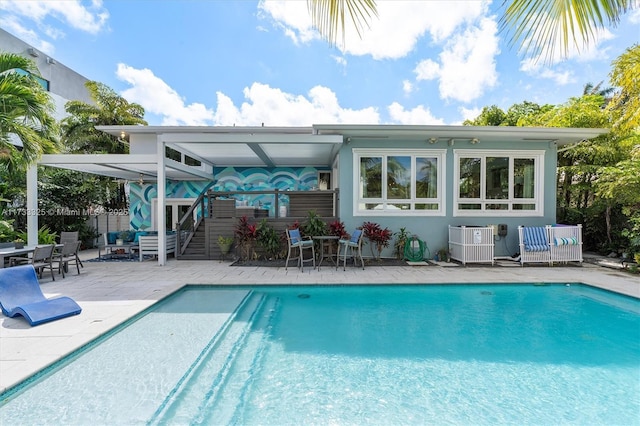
(196, 250)
(215, 387)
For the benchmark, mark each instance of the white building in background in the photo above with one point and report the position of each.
(62, 83)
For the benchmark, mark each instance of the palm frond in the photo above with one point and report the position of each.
(546, 28)
(329, 16)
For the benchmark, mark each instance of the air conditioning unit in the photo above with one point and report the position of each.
(31, 51)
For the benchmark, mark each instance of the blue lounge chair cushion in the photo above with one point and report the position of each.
(20, 294)
(535, 238)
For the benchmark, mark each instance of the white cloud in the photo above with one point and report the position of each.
(340, 60)
(391, 35)
(466, 66)
(407, 87)
(536, 69)
(634, 16)
(273, 107)
(13, 25)
(292, 17)
(418, 115)
(427, 70)
(158, 98)
(469, 113)
(264, 104)
(90, 19)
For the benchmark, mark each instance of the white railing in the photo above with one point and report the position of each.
(566, 243)
(560, 244)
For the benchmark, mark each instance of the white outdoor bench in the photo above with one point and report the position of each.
(148, 244)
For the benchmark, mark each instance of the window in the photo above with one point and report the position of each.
(495, 182)
(44, 83)
(399, 182)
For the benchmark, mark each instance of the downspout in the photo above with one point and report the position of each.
(32, 205)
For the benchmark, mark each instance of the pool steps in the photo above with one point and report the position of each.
(193, 398)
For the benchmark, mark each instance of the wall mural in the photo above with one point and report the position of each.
(227, 179)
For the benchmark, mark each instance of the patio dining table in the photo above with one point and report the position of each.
(329, 241)
(8, 252)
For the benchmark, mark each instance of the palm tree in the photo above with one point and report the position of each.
(541, 27)
(25, 112)
(110, 109)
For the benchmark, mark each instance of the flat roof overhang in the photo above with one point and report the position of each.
(511, 134)
(124, 166)
(315, 146)
(223, 146)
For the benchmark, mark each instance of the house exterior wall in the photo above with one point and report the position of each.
(434, 228)
(226, 179)
(64, 83)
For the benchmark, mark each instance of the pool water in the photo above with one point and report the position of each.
(458, 354)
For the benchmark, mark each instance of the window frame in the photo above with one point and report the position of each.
(537, 200)
(440, 200)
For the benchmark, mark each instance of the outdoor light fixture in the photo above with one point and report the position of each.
(51, 61)
(31, 51)
(433, 140)
(122, 137)
(475, 141)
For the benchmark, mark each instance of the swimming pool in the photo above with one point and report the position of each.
(458, 354)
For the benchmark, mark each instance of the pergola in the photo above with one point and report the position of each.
(210, 146)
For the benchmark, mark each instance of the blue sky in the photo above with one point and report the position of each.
(197, 62)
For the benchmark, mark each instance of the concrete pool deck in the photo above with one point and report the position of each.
(112, 292)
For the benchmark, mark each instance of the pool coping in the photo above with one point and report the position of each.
(112, 293)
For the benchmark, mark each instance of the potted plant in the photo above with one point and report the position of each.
(225, 244)
(337, 228)
(378, 237)
(122, 236)
(443, 255)
(18, 243)
(401, 241)
(314, 225)
(246, 234)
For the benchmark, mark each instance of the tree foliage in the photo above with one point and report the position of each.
(540, 28)
(79, 128)
(625, 105)
(25, 113)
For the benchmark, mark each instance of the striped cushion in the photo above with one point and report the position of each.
(566, 241)
(535, 238)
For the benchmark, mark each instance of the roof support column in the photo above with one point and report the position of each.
(162, 191)
(32, 205)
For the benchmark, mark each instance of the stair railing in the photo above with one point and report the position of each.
(186, 226)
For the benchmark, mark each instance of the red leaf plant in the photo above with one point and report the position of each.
(377, 236)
